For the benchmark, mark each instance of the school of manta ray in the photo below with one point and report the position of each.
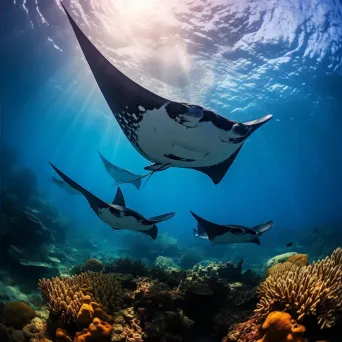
(168, 134)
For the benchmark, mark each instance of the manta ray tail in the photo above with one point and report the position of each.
(153, 232)
(139, 178)
(262, 228)
(93, 200)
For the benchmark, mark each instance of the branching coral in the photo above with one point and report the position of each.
(314, 290)
(65, 295)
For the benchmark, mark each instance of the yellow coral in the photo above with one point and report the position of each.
(280, 328)
(90, 310)
(314, 290)
(65, 294)
(281, 268)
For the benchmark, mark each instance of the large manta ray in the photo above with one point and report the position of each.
(168, 133)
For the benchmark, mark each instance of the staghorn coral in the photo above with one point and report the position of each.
(281, 268)
(279, 327)
(65, 295)
(314, 290)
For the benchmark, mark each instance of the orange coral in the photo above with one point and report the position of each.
(279, 327)
(98, 331)
(90, 310)
(61, 336)
(299, 259)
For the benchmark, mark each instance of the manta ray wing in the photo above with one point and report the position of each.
(160, 218)
(211, 229)
(218, 171)
(94, 201)
(127, 99)
(153, 232)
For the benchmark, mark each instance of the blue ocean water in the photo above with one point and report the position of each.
(242, 59)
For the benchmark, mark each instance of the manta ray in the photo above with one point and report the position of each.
(167, 133)
(65, 186)
(121, 175)
(116, 214)
(230, 233)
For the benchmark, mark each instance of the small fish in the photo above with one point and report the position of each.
(290, 244)
(117, 215)
(224, 234)
(121, 175)
(65, 186)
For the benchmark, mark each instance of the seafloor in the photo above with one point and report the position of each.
(51, 291)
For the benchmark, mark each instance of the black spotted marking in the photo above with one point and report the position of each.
(173, 157)
(233, 140)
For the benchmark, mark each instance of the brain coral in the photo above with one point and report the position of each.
(64, 295)
(314, 290)
(18, 314)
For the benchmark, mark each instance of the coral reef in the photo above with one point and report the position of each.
(93, 265)
(165, 262)
(248, 331)
(190, 258)
(279, 327)
(126, 266)
(98, 331)
(299, 259)
(18, 314)
(303, 291)
(65, 296)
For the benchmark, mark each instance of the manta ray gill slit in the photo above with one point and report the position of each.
(148, 175)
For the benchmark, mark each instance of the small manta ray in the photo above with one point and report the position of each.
(65, 186)
(224, 234)
(166, 132)
(117, 215)
(121, 175)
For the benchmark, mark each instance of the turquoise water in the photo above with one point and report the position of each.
(241, 59)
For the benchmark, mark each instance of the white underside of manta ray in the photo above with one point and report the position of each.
(168, 133)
